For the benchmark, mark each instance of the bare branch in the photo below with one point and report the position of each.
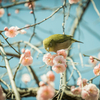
(98, 13)
(93, 57)
(9, 73)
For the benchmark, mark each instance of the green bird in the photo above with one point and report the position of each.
(58, 41)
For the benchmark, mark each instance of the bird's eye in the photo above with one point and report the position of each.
(50, 44)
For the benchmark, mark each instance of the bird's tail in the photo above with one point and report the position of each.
(76, 41)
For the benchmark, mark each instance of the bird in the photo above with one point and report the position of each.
(56, 42)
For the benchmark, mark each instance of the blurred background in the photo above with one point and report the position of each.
(88, 31)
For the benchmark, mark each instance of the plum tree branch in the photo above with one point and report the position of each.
(43, 19)
(93, 57)
(17, 95)
(32, 92)
(16, 3)
(10, 44)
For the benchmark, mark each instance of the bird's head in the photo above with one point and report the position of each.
(49, 44)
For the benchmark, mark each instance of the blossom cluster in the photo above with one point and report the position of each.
(57, 61)
(2, 95)
(26, 59)
(46, 90)
(96, 69)
(93, 61)
(13, 31)
(86, 90)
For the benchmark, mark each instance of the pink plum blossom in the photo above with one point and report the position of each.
(1, 12)
(26, 58)
(96, 70)
(30, 4)
(91, 57)
(44, 78)
(62, 52)
(22, 32)
(54, 55)
(81, 82)
(9, 14)
(73, 1)
(39, 97)
(27, 26)
(48, 79)
(12, 32)
(45, 92)
(50, 83)
(23, 50)
(59, 68)
(17, 11)
(90, 92)
(85, 95)
(31, 12)
(93, 62)
(26, 78)
(27, 53)
(6, 28)
(27, 61)
(50, 76)
(26, 4)
(41, 83)
(76, 91)
(59, 60)
(93, 90)
(48, 59)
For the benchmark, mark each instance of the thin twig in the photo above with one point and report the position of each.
(10, 44)
(3, 66)
(34, 22)
(93, 57)
(74, 66)
(93, 78)
(43, 19)
(16, 71)
(5, 84)
(15, 4)
(12, 54)
(29, 44)
(70, 76)
(64, 16)
(97, 11)
(63, 75)
(32, 46)
(33, 74)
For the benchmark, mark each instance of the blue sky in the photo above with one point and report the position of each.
(88, 36)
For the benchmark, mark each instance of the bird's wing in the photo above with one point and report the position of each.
(62, 38)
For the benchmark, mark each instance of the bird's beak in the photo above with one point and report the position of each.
(48, 49)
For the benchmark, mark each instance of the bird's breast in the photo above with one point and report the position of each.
(51, 49)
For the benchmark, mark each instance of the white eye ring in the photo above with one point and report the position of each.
(47, 48)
